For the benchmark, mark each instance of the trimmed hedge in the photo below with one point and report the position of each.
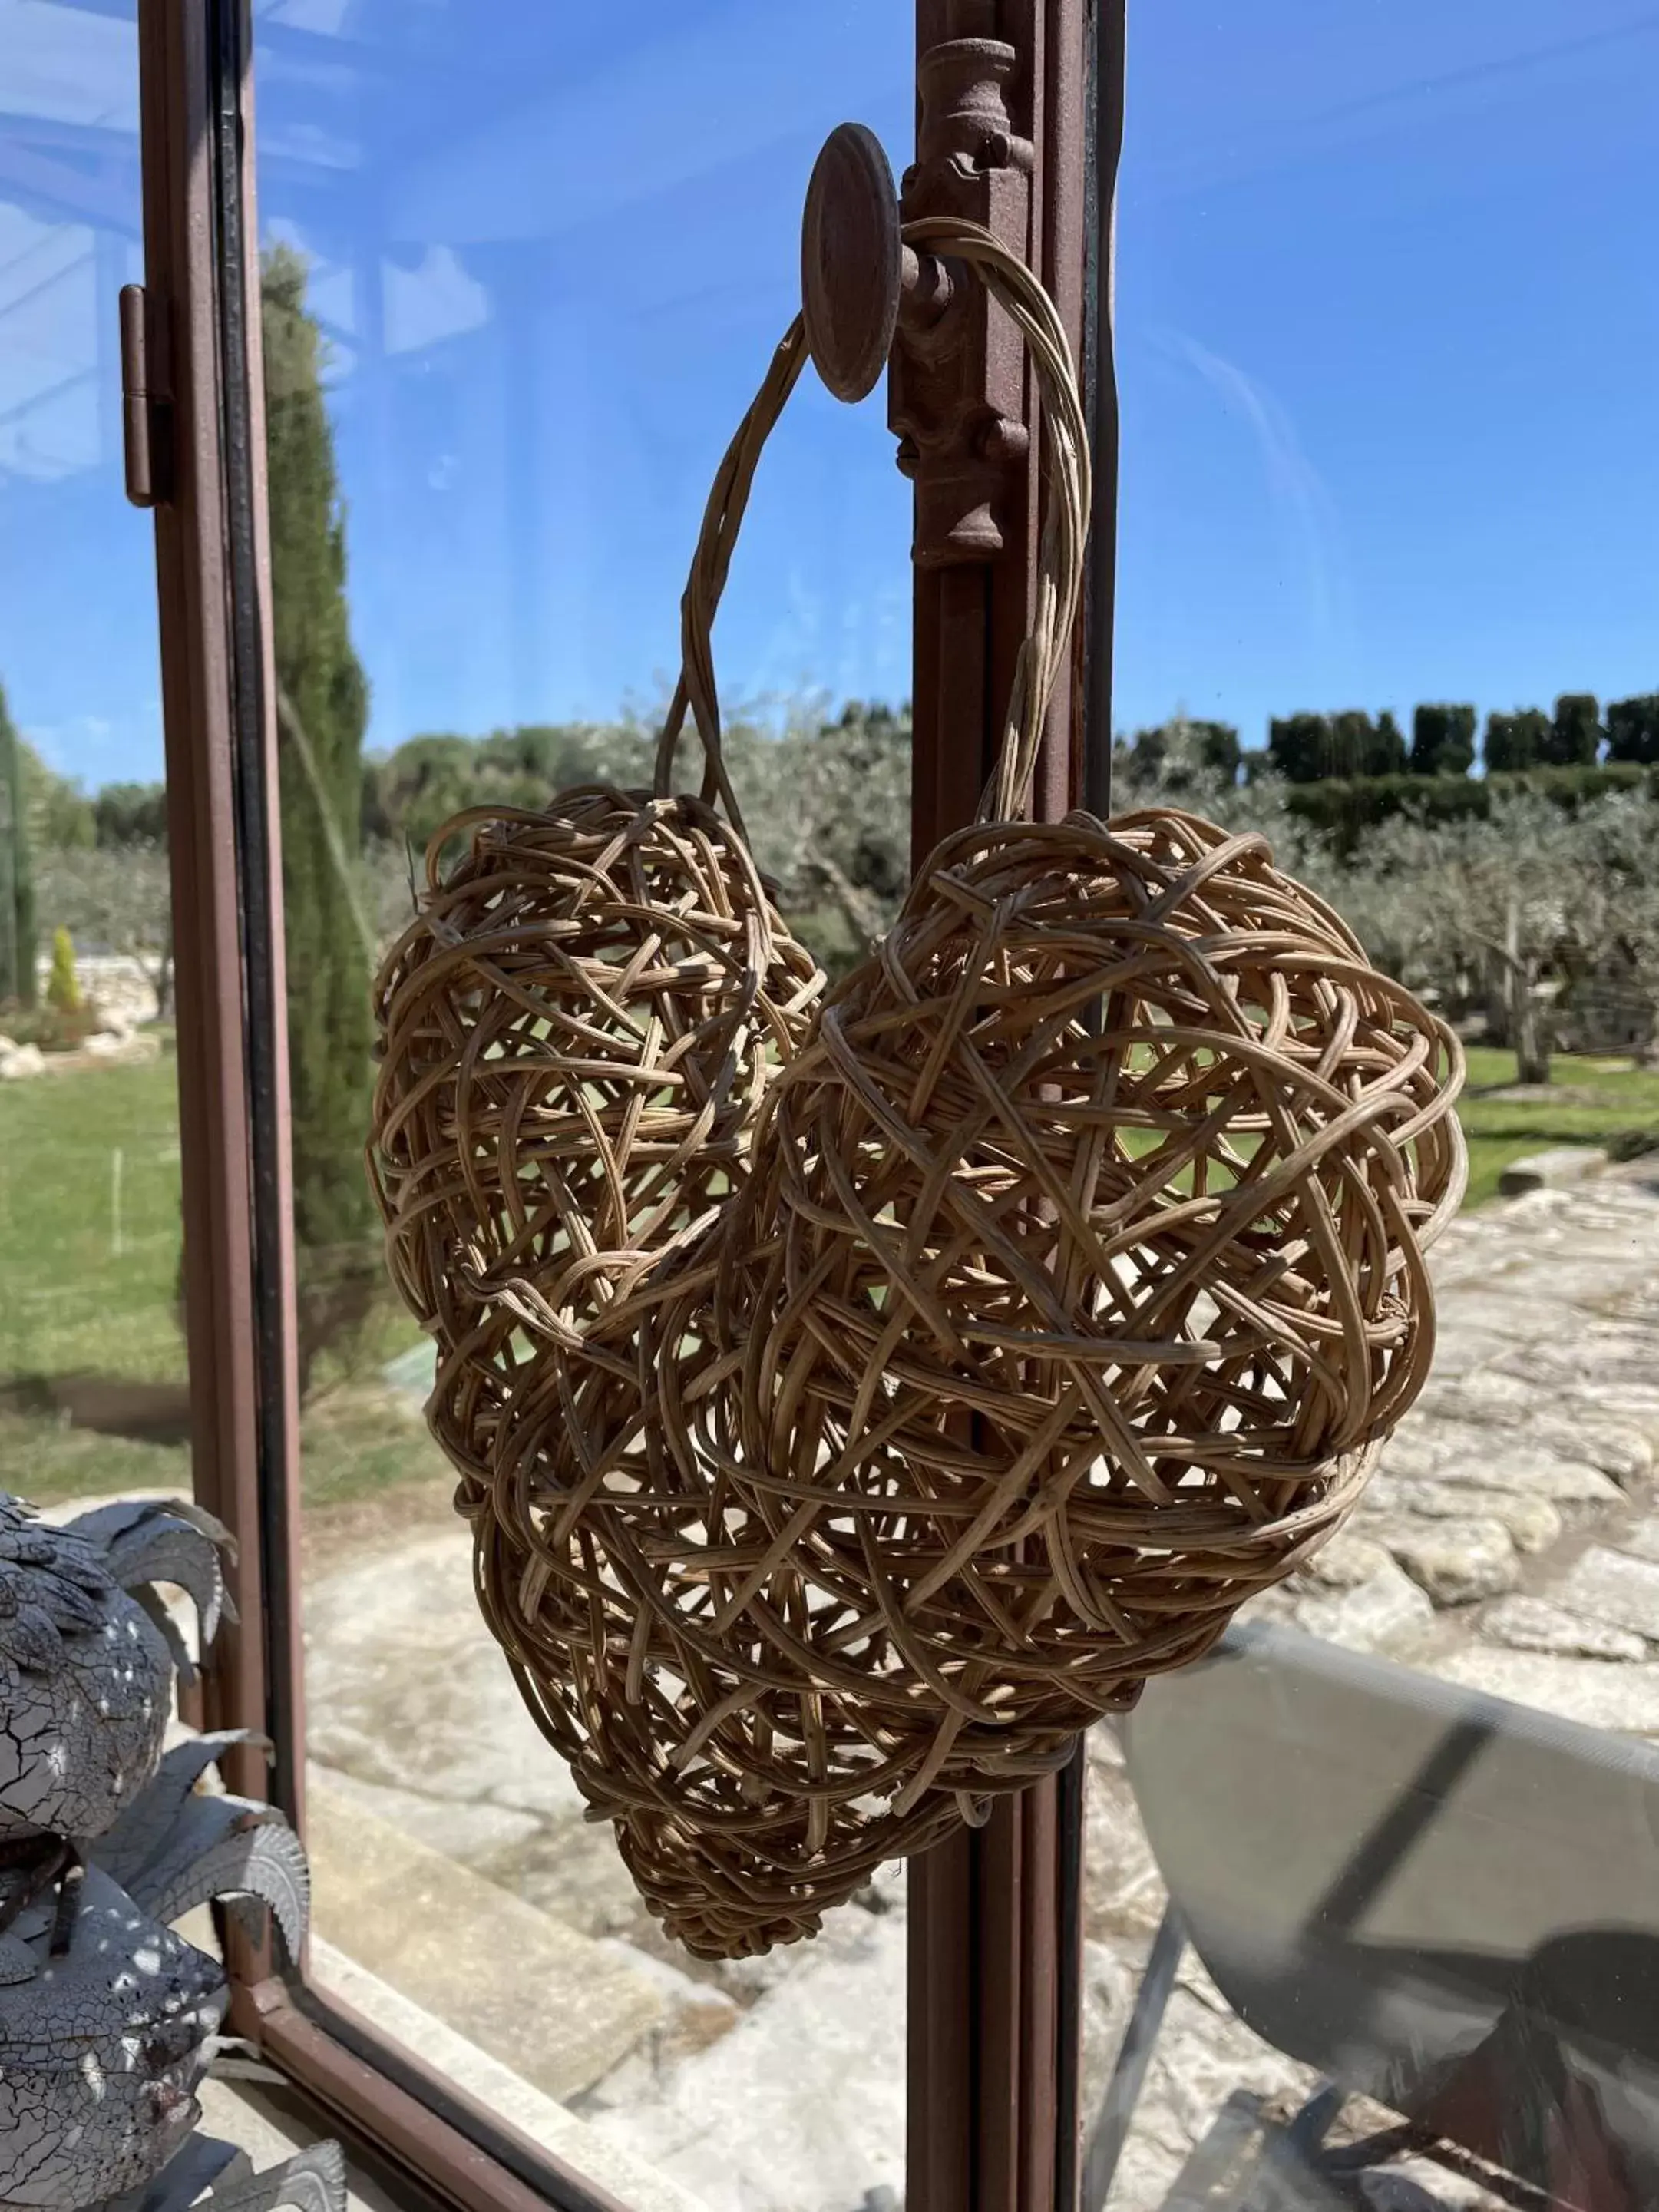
(1343, 809)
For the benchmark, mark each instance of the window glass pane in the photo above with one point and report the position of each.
(524, 270)
(92, 1352)
(1386, 321)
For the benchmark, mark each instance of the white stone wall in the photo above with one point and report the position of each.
(116, 984)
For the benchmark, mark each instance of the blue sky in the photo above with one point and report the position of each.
(1389, 324)
(1388, 314)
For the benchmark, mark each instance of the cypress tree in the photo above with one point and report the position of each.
(1633, 729)
(1442, 741)
(1299, 746)
(1388, 756)
(1517, 740)
(1218, 749)
(1353, 743)
(64, 984)
(17, 943)
(1576, 734)
(323, 710)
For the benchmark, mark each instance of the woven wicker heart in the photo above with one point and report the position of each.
(853, 1406)
(761, 1742)
(1082, 1275)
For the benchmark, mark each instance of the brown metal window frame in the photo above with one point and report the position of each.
(995, 1915)
(995, 1941)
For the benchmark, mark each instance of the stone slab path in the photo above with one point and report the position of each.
(1510, 1541)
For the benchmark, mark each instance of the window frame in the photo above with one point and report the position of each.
(994, 1972)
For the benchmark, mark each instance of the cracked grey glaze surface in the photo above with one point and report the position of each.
(86, 1666)
(174, 1848)
(108, 2020)
(100, 2049)
(144, 1542)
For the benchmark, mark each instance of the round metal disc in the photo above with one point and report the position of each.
(851, 261)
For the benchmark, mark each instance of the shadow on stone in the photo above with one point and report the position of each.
(110, 1405)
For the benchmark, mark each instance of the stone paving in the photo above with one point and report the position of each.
(1510, 1542)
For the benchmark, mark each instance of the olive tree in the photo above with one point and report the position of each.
(1519, 901)
(828, 806)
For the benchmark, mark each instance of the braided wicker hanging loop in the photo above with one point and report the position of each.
(576, 1031)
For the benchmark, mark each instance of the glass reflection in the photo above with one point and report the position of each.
(92, 1356)
(523, 271)
(1386, 593)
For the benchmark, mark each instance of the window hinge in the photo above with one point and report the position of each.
(146, 416)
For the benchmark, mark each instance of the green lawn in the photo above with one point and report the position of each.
(1590, 1102)
(89, 1327)
(89, 1225)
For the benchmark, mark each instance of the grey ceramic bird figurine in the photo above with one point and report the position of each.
(109, 2020)
(88, 1653)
